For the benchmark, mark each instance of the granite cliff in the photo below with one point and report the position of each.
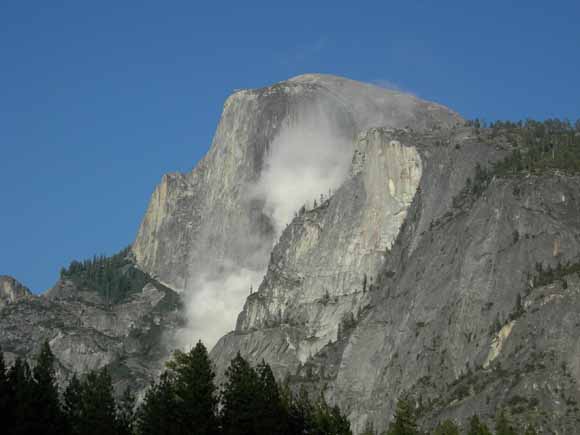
(87, 332)
(385, 263)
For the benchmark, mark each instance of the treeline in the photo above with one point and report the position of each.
(185, 400)
(114, 277)
(538, 146)
(404, 422)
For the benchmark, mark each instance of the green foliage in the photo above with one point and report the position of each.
(447, 427)
(404, 422)
(194, 390)
(20, 393)
(477, 427)
(29, 399)
(114, 278)
(252, 403)
(328, 420)
(273, 418)
(539, 147)
(4, 391)
(157, 415)
(548, 275)
(238, 398)
(72, 398)
(48, 418)
(126, 412)
(91, 407)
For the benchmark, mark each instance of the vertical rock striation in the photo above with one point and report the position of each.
(216, 220)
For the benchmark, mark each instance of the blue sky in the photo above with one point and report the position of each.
(98, 100)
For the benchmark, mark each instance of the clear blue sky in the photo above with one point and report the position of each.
(98, 100)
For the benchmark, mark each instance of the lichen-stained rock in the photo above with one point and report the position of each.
(208, 218)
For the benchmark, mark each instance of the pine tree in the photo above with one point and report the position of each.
(298, 410)
(4, 391)
(328, 420)
(447, 427)
(49, 418)
(72, 405)
(477, 427)
(21, 393)
(195, 390)
(271, 417)
(157, 415)
(404, 422)
(95, 410)
(126, 412)
(238, 395)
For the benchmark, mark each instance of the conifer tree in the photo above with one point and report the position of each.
(271, 416)
(328, 420)
(4, 391)
(95, 410)
(126, 412)
(157, 415)
(297, 409)
(238, 398)
(195, 391)
(20, 393)
(404, 422)
(48, 418)
(72, 405)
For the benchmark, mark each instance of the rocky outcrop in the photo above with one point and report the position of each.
(321, 272)
(452, 316)
(11, 291)
(209, 218)
(86, 333)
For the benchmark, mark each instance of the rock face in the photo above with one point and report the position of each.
(86, 333)
(398, 281)
(209, 218)
(11, 291)
(452, 316)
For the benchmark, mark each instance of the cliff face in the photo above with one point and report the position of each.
(86, 333)
(212, 217)
(450, 314)
(11, 291)
(396, 281)
(322, 270)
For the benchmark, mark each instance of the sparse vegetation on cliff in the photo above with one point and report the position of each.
(114, 277)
